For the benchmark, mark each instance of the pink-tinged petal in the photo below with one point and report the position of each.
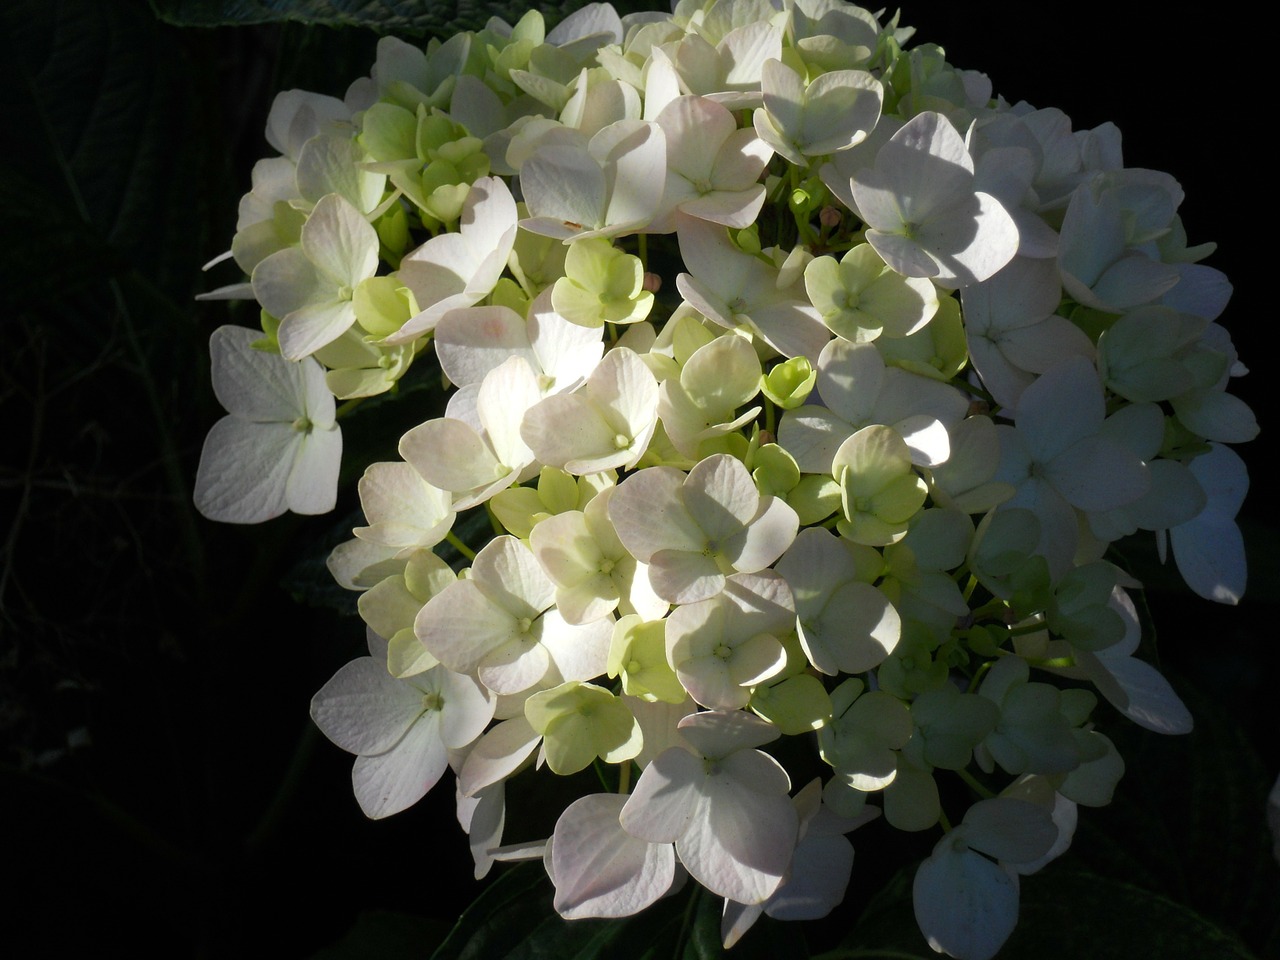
(472, 341)
(740, 840)
(598, 869)
(393, 781)
(649, 514)
(771, 531)
(820, 873)
(365, 710)
(665, 797)
(721, 497)
(683, 576)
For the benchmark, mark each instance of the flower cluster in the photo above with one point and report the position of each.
(804, 385)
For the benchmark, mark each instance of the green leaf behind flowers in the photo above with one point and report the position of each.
(514, 920)
(398, 16)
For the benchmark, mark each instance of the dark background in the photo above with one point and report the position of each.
(162, 791)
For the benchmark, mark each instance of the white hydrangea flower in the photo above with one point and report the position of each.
(400, 729)
(724, 806)
(279, 446)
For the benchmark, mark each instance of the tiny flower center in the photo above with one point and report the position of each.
(303, 425)
(723, 651)
(606, 566)
(432, 701)
(524, 624)
(621, 441)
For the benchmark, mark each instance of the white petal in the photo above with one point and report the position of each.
(313, 481)
(365, 710)
(396, 780)
(497, 755)
(257, 385)
(965, 904)
(244, 470)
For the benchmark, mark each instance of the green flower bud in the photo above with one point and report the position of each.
(789, 383)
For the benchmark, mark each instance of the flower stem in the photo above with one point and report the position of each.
(974, 785)
(458, 545)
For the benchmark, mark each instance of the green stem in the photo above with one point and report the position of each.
(498, 528)
(1037, 626)
(977, 677)
(458, 545)
(974, 785)
(347, 407)
(598, 766)
(962, 384)
(687, 922)
(624, 777)
(994, 608)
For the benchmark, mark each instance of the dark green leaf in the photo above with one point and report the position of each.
(1187, 820)
(514, 920)
(399, 16)
(387, 936)
(1066, 913)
